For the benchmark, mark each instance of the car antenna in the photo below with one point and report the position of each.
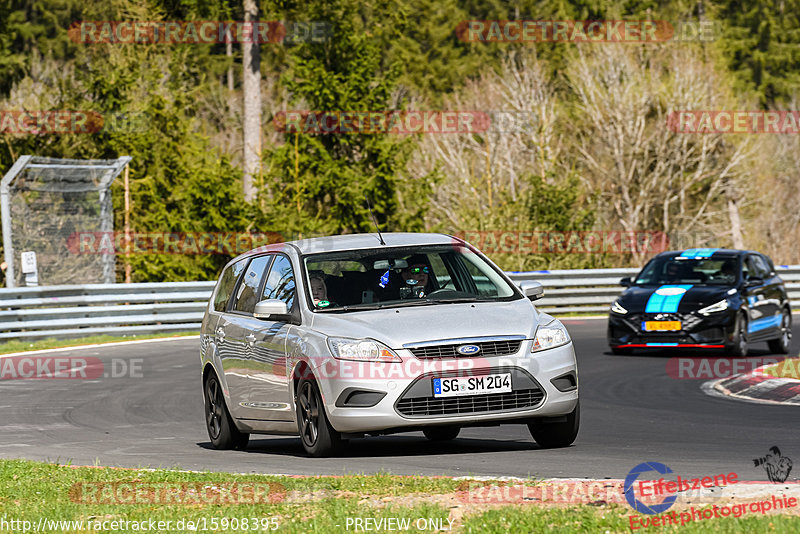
(374, 220)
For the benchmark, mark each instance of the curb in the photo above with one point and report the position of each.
(757, 387)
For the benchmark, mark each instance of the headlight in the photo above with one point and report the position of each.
(362, 350)
(550, 336)
(716, 307)
(616, 307)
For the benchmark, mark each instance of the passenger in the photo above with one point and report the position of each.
(319, 290)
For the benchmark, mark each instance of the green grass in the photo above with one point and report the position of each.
(17, 345)
(32, 490)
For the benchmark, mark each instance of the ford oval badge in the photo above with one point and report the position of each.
(468, 349)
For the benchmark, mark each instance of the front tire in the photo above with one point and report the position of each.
(318, 436)
(739, 347)
(781, 345)
(554, 435)
(441, 433)
(220, 426)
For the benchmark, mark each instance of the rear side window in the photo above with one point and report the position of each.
(247, 292)
(226, 284)
(768, 263)
(280, 282)
(761, 269)
(758, 267)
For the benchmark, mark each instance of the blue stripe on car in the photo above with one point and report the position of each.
(662, 344)
(764, 322)
(665, 303)
(698, 252)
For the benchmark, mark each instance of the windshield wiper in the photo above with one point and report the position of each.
(462, 299)
(380, 306)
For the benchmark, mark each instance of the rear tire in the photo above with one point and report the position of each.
(554, 435)
(619, 351)
(221, 429)
(738, 347)
(781, 345)
(318, 436)
(441, 433)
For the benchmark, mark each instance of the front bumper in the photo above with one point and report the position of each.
(698, 331)
(403, 395)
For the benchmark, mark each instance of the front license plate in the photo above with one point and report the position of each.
(661, 326)
(471, 385)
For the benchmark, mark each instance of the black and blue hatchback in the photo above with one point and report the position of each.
(702, 298)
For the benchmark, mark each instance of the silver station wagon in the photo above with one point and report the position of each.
(335, 338)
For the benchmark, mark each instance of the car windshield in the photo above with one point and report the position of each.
(678, 270)
(401, 276)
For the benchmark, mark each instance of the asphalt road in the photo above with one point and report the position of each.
(632, 411)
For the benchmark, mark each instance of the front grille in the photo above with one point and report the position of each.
(488, 348)
(494, 402)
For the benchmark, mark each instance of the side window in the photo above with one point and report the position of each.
(440, 272)
(768, 263)
(246, 295)
(280, 282)
(762, 270)
(485, 287)
(226, 284)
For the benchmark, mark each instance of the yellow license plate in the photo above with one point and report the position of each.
(661, 326)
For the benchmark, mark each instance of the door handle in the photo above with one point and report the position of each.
(221, 334)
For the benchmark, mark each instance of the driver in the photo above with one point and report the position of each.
(416, 278)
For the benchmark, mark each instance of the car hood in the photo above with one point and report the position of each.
(635, 299)
(398, 326)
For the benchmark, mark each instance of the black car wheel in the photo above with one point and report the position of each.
(738, 346)
(562, 434)
(621, 351)
(781, 344)
(318, 436)
(441, 433)
(220, 426)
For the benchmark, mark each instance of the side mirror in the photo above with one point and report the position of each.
(626, 282)
(532, 290)
(271, 309)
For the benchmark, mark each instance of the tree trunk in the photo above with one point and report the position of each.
(251, 86)
(736, 223)
(229, 54)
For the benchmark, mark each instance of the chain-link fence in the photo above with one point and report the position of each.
(46, 202)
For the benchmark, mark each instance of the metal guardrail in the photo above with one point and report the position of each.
(81, 310)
